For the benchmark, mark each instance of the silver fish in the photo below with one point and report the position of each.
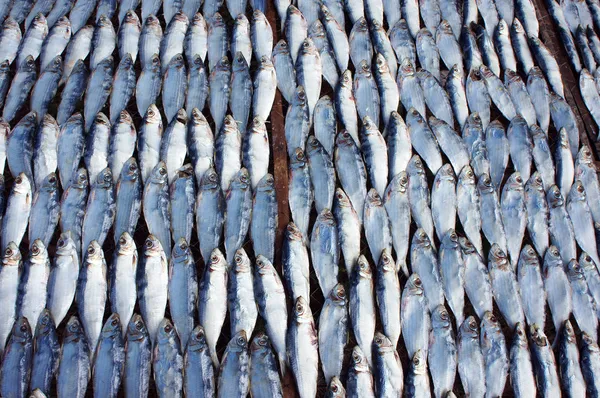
(308, 73)
(152, 283)
(173, 145)
(495, 355)
(18, 208)
(45, 210)
(345, 105)
(402, 41)
(436, 98)
(360, 379)
(411, 92)
(581, 217)
(183, 290)
(128, 201)
(585, 171)
(427, 52)
(265, 85)
(348, 159)
(78, 48)
(360, 44)
(240, 37)
(33, 39)
(72, 206)
(196, 37)
(455, 87)
(387, 289)
(46, 353)
(212, 301)
(443, 201)
(388, 370)
(196, 361)
(540, 97)
(295, 262)
(297, 121)
(238, 213)
(10, 273)
(471, 366)
(296, 30)
(418, 196)
(490, 209)
(264, 378)
(348, 224)
(157, 208)
(589, 363)
(100, 210)
(448, 46)
(592, 277)
(270, 298)
(110, 359)
(544, 363)
(72, 92)
(442, 352)
(477, 279)
(240, 100)
(149, 85)
(104, 40)
(261, 35)
(498, 93)
(533, 294)
(521, 369)
(122, 280)
(584, 306)
(284, 67)
(366, 93)
(514, 215)
(70, 151)
(505, 287)
(452, 270)
(122, 144)
(75, 363)
(399, 145)
(167, 362)
(10, 39)
(562, 234)
(333, 332)
(563, 117)
(200, 143)
(302, 347)
(150, 39)
(423, 140)
(325, 251)
(468, 205)
(197, 86)
(322, 174)
(91, 294)
(17, 360)
(397, 205)
(547, 64)
(124, 84)
(220, 87)
(374, 149)
(173, 40)
(568, 360)
(99, 83)
(240, 295)
(20, 88)
(44, 149)
(97, 146)
(129, 34)
(478, 98)
(518, 38)
(175, 87)
(149, 141)
(415, 318)
(558, 289)
(210, 209)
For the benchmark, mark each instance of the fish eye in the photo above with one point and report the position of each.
(214, 259)
(168, 328)
(473, 325)
(334, 388)
(519, 179)
(132, 166)
(530, 251)
(493, 318)
(62, 243)
(299, 308)
(139, 325)
(378, 340)
(356, 357)
(18, 180)
(444, 315)
(115, 322)
(587, 258)
(241, 341)
(200, 334)
(52, 180)
(23, 328)
(8, 252)
(418, 282)
(580, 188)
(416, 360)
(91, 250)
(238, 259)
(107, 177)
(149, 243)
(162, 171)
(122, 240)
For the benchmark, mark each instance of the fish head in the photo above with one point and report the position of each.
(94, 254)
(302, 312)
(261, 344)
(381, 64)
(414, 285)
(181, 250)
(126, 244)
(66, 245)
(338, 295)
(362, 268)
(130, 171)
(264, 266)
(50, 183)
(467, 176)
(22, 185)
(281, 48)
(419, 363)
(298, 160)
(210, 180)
(518, 26)
(466, 246)
(574, 271)
(341, 199)
(159, 174)
(450, 239)
(136, 329)
(198, 118)
(74, 331)
(292, 232)
(131, 18)
(359, 361)
(440, 318)
(537, 335)
(152, 246)
(241, 180)
(45, 324)
(586, 262)
(336, 388)
(241, 262)
(317, 30)
(80, 181)
(567, 332)
(386, 262)
(497, 257)
(520, 338)
(421, 239)
(239, 62)
(535, 183)
(469, 328)
(166, 333)
(112, 327)
(577, 192)
(514, 182)
(239, 342)
(21, 331)
(415, 167)
(485, 184)
(197, 341)
(372, 200)
(217, 261)
(105, 179)
(12, 256)
(406, 67)
(382, 344)
(38, 253)
(554, 197)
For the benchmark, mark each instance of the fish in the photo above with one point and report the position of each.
(514, 215)
(374, 150)
(348, 223)
(325, 251)
(99, 83)
(149, 142)
(436, 98)
(175, 87)
(478, 97)
(505, 286)
(427, 52)
(423, 140)
(173, 40)
(157, 208)
(387, 288)
(235, 366)
(297, 122)
(477, 279)
(471, 365)
(46, 353)
(563, 117)
(270, 299)
(387, 87)
(17, 360)
(377, 225)
(104, 39)
(558, 288)
(495, 354)
(585, 172)
(200, 143)
(498, 93)
(468, 42)
(589, 362)
(504, 47)
(265, 85)
(72, 206)
(19, 148)
(240, 295)
(264, 378)
(562, 233)
(399, 144)
(122, 144)
(418, 378)
(240, 100)
(10, 39)
(584, 306)
(362, 305)
(212, 301)
(197, 92)
(91, 294)
(228, 152)
(443, 201)
(360, 378)
(302, 348)
(167, 362)
(335, 389)
(345, 106)
(571, 376)
(138, 356)
(443, 360)
(196, 361)
(415, 317)
(360, 45)
(45, 211)
(533, 294)
(581, 217)
(18, 209)
(591, 275)
(468, 205)
(110, 358)
(366, 93)
(409, 87)
(238, 201)
(455, 87)
(322, 174)
(128, 36)
(183, 290)
(520, 97)
(419, 197)
(72, 93)
(128, 201)
(152, 286)
(78, 48)
(74, 371)
(489, 55)
(34, 36)
(518, 38)
(349, 164)
(452, 269)
(149, 85)
(210, 213)
(520, 366)
(547, 64)
(261, 35)
(397, 205)
(9, 288)
(196, 37)
(448, 47)
(122, 280)
(182, 195)
(296, 30)
(333, 332)
(284, 68)
(100, 210)
(124, 84)
(490, 209)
